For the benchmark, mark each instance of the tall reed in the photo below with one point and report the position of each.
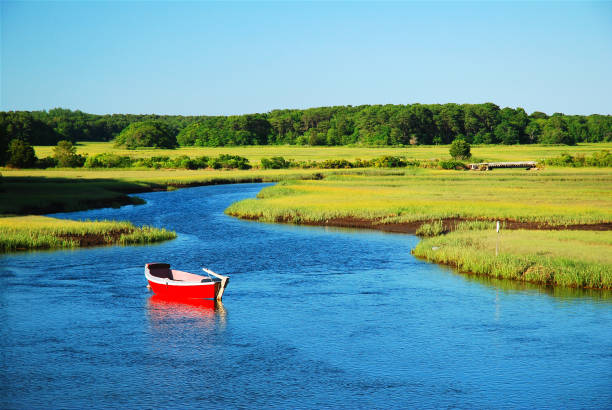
(40, 232)
(568, 258)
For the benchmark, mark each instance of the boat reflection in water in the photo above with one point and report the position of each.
(194, 313)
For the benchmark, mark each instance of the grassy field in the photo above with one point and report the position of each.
(559, 196)
(569, 258)
(299, 153)
(164, 177)
(21, 195)
(40, 232)
(54, 190)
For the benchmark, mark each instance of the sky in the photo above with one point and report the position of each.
(222, 58)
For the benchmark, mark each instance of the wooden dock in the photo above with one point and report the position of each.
(486, 166)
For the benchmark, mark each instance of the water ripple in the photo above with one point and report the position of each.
(313, 318)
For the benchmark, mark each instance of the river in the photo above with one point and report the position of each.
(312, 317)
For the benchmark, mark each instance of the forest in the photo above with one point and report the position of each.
(366, 125)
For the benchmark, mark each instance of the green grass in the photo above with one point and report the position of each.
(21, 195)
(556, 197)
(40, 232)
(431, 229)
(54, 190)
(567, 258)
(299, 153)
(551, 196)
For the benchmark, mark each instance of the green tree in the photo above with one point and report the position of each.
(600, 128)
(154, 134)
(66, 156)
(556, 132)
(533, 131)
(539, 115)
(481, 119)
(4, 143)
(20, 154)
(25, 126)
(340, 125)
(577, 128)
(460, 149)
(507, 133)
(448, 121)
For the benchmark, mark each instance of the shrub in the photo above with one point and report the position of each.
(187, 163)
(452, 164)
(153, 162)
(389, 161)
(460, 149)
(182, 161)
(598, 159)
(276, 163)
(433, 228)
(20, 154)
(308, 164)
(107, 160)
(200, 162)
(46, 162)
(229, 162)
(66, 156)
(362, 163)
(335, 164)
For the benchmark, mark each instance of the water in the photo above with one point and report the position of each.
(312, 317)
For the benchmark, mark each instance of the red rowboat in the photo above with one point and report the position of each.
(184, 285)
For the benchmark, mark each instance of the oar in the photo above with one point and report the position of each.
(224, 281)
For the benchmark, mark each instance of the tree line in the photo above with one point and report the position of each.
(370, 125)
(380, 125)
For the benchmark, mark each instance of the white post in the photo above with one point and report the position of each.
(497, 240)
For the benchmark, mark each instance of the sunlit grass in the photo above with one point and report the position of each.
(41, 232)
(555, 197)
(300, 153)
(55, 190)
(569, 258)
(166, 176)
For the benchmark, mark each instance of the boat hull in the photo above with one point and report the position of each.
(177, 284)
(199, 291)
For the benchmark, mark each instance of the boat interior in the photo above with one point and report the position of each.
(162, 270)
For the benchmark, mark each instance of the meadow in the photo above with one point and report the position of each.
(551, 197)
(318, 153)
(35, 191)
(568, 258)
(41, 232)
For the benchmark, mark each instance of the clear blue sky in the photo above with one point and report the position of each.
(233, 58)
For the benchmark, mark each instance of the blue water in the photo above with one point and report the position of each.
(312, 318)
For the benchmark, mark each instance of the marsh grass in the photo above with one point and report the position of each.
(555, 197)
(59, 190)
(41, 232)
(477, 225)
(429, 229)
(568, 258)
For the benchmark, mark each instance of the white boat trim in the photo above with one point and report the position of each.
(170, 282)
